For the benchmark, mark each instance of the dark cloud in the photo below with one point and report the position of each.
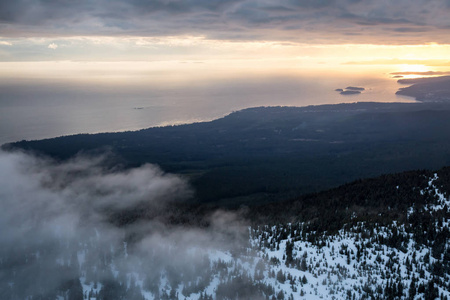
(219, 19)
(312, 3)
(411, 29)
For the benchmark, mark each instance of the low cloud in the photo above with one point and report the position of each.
(56, 224)
(53, 46)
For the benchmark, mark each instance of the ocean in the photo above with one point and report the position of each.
(37, 107)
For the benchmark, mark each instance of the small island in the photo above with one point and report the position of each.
(350, 90)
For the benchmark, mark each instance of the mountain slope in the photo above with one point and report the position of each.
(380, 238)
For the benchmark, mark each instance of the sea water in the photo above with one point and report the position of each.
(37, 107)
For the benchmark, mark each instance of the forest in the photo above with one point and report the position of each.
(267, 154)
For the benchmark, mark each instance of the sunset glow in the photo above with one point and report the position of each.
(124, 56)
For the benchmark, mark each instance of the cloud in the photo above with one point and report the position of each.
(296, 20)
(56, 224)
(53, 46)
(82, 186)
(5, 43)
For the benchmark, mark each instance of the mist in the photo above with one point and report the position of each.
(59, 236)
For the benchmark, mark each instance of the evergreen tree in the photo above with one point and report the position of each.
(75, 291)
(289, 249)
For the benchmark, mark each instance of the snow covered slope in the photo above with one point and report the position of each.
(403, 258)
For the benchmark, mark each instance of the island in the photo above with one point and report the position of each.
(350, 90)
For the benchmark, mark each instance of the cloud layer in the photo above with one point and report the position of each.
(363, 21)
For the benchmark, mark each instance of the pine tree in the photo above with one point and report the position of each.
(75, 290)
(289, 249)
(281, 277)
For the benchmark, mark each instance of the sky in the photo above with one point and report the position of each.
(286, 33)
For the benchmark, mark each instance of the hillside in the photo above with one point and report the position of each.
(268, 154)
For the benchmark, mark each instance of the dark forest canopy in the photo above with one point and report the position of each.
(267, 154)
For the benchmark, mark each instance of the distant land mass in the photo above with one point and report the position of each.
(434, 89)
(266, 154)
